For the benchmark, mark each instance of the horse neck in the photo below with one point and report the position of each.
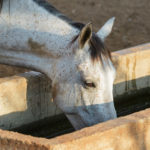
(32, 37)
(26, 24)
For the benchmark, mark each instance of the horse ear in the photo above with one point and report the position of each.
(106, 29)
(85, 35)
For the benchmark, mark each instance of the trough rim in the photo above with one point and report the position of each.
(76, 136)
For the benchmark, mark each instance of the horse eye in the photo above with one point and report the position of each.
(89, 84)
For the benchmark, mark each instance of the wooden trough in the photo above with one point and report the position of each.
(25, 104)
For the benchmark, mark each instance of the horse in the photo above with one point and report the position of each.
(35, 35)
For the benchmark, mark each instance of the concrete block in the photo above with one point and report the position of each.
(131, 132)
(133, 69)
(27, 97)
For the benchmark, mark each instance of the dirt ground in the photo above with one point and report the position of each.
(132, 26)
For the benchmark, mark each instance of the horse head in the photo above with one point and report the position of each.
(83, 87)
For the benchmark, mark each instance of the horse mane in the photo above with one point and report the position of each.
(45, 4)
(1, 5)
(97, 48)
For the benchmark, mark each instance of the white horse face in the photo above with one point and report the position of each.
(85, 93)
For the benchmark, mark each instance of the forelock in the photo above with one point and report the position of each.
(98, 50)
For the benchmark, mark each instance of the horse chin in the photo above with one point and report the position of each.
(97, 113)
(76, 121)
(91, 115)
